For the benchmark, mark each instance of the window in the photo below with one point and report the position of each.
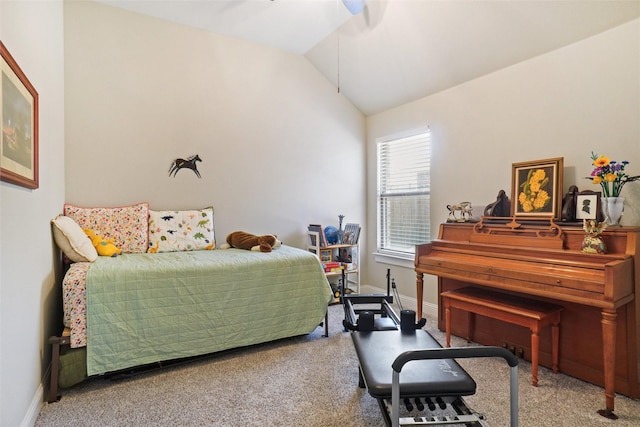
(404, 187)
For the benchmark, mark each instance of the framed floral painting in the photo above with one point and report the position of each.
(536, 189)
(19, 118)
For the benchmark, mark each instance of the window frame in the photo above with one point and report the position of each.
(386, 253)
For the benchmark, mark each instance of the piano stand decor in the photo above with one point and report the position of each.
(501, 207)
(593, 242)
(465, 210)
(599, 294)
(523, 312)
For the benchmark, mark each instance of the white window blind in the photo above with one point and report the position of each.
(404, 187)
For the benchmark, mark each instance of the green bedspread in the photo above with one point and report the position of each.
(145, 308)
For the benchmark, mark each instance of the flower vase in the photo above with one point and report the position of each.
(613, 207)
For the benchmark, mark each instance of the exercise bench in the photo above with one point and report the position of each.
(509, 308)
(431, 382)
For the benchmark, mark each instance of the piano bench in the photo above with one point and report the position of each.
(513, 309)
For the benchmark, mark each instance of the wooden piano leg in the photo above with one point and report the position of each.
(419, 293)
(447, 321)
(555, 343)
(471, 325)
(609, 319)
(535, 348)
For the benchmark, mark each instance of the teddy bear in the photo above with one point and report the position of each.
(103, 247)
(252, 242)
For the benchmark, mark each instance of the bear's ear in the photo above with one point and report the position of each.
(268, 239)
(265, 247)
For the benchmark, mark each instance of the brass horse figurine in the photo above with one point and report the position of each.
(189, 163)
(465, 212)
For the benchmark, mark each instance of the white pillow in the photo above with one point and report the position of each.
(171, 231)
(72, 240)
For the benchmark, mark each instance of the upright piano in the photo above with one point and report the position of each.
(599, 340)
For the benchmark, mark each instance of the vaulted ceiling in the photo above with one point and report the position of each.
(397, 51)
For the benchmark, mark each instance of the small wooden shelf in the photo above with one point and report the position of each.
(333, 254)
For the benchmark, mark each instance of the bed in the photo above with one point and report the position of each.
(141, 308)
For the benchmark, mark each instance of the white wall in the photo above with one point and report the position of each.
(280, 147)
(29, 299)
(566, 103)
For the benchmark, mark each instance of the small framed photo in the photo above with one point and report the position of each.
(19, 118)
(326, 255)
(588, 206)
(536, 189)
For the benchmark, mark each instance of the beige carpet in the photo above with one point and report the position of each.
(310, 381)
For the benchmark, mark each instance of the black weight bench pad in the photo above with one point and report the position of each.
(377, 350)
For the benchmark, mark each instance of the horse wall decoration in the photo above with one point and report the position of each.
(189, 163)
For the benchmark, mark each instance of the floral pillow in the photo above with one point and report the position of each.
(128, 226)
(171, 231)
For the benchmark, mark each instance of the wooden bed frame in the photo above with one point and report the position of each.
(56, 342)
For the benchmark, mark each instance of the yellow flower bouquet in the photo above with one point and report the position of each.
(610, 175)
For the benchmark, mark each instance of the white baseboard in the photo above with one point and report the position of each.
(31, 416)
(410, 303)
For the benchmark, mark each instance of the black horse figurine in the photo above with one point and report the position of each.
(190, 163)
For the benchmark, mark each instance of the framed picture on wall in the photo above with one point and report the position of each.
(536, 189)
(588, 206)
(19, 118)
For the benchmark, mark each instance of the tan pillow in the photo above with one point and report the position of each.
(73, 242)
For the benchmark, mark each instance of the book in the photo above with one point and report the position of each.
(353, 258)
(326, 255)
(332, 264)
(351, 233)
(318, 229)
(333, 269)
(349, 266)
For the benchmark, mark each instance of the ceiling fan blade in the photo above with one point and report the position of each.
(354, 6)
